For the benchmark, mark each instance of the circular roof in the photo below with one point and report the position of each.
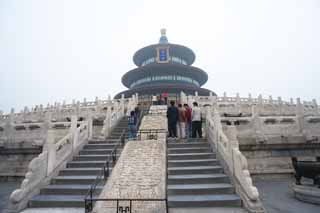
(174, 50)
(164, 69)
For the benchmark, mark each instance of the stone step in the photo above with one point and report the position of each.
(86, 164)
(221, 200)
(198, 178)
(80, 171)
(193, 162)
(96, 151)
(100, 146)
(188, 144)
(178, 140)
(200, 189)
(68, 189)
(188, 150)
(91, 157)
(194, 170)
(113, 137)
(61, 201)
(185, 156)
(197, 140)
(105, 141)
(87, 179)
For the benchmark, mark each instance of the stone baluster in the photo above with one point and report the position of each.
(84, 102)
(291, 101)
(238, 103)
(259, 105)
(183, 98)
(260, 137)
(270, 100)
(73, 129)
(250, 99)
(90, 126)
(25, 113)
(9, 127)
(107, 123)
(52, 153)
(78, 108)
(280, 105)
(122, 104)
(315, 105)
(46, 126)
(98, 105)
(224, 96)
(1, 112)
(300, 114)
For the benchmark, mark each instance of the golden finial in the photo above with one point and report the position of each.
(163, 31)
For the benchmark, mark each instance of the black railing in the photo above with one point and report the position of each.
(149, 134)
(128, 208)
(104, 173)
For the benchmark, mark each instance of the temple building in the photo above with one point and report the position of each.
(164, 69)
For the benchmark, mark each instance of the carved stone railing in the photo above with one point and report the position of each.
(53, 158)
(269, 106)
(115, 114)
(224, 139)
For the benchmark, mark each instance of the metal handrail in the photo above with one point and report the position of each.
(104, 172)
(128, 209)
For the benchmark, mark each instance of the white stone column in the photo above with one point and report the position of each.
(224, 96)
(280, 105)
(238, 103)
(250, 99)
(270, 100)
(300, 114)
(315, 105)
(9, 128)
(90, 126)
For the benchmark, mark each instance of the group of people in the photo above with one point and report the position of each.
(183, 121)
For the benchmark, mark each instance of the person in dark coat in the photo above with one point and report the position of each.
(173, 117)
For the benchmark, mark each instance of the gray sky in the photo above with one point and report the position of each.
(55, 50)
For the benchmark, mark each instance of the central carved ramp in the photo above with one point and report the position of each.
(195, 177)
(69, 188)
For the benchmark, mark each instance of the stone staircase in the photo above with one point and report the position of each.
(69, 188)
(195, 177)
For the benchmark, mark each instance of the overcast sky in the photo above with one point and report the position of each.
(55, 50)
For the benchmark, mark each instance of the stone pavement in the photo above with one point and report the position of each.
(277, 196)
(5, 190)
(138, 174)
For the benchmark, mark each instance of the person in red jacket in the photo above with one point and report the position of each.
(188, 120)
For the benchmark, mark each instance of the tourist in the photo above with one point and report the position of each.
(165, 97)
(173, 116)
(137, 112)
(188, 120)
(196, 121)
(182, 122)
(132, 125)
(154, 100)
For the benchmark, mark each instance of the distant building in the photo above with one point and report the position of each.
(164, 69)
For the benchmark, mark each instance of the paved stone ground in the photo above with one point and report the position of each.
(5, 190)
(277, 196)
(138, 174)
